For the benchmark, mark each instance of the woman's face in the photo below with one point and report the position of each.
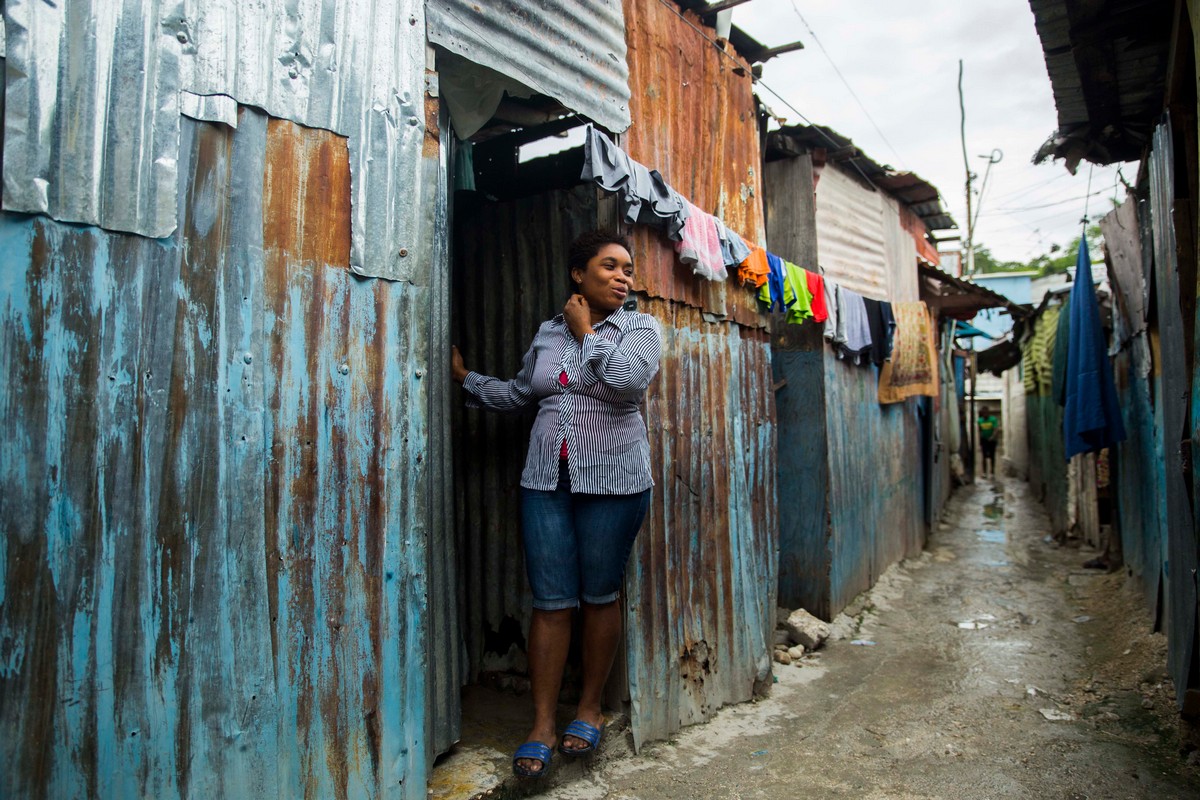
(608, 278)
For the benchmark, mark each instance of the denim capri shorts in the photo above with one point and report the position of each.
(576, 545)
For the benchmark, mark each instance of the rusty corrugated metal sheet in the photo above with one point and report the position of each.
(694, 120)
(700, 594)
(355, 67)
(214, 553)
(572, 52)
(1174, 285)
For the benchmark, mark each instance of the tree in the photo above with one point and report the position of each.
(1054, 262)
(985, 262)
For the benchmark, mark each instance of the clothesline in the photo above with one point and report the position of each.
(861, 330)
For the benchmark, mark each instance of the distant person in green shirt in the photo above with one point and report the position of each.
(989, 428)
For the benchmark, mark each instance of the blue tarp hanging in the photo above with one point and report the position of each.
(1092, 418)
(964, 330)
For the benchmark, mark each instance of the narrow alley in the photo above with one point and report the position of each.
(992, 665)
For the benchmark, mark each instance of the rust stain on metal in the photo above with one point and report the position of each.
(694, 120)
(307, 188)
(431, 147)
(701, 593)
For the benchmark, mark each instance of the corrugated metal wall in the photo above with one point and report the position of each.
(94, 106)
(216, 506)
(858, 468)
(850, 229)
(701, 601)
(1135, 480)
(876, 492)
(1015, 433)
(700, 598)
(1172, 388)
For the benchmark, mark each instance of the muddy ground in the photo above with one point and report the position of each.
(992, 666)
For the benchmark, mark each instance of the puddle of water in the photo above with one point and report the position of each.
(991, 535)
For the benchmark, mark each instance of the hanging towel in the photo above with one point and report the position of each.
(700, 245)
(775, 289)
(834, 320)
(644, 194)
(797, 297)
(1092, 418)
(734, 249)
(754, 268)
(852, 319)
(913, 368)
(816, 287)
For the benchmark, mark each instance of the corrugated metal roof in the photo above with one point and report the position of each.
(1108, 70)
(958, 298)
(354, 67)
(573, 52)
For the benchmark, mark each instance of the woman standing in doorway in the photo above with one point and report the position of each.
(586, 485)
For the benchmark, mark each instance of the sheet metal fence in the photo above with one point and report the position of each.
(216, 504)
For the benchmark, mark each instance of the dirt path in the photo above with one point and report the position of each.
(992, 666)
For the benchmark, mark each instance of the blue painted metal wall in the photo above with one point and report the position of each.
(1172, 387)
(215, 505)
(700, 593)
(1136, 482)
(876, 490)
(851, 470)
(994, 321)
(798, 361)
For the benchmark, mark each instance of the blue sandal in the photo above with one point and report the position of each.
(536, 751)
(581, 730)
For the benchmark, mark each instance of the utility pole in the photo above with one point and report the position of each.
(962, 107)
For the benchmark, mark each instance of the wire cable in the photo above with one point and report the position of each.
(845, 82)
(759, 81)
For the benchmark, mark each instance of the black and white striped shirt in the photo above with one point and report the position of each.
(596, 412)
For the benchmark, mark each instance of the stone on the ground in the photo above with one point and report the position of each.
(781, 657)
(781, 615)
(781, 637)
(796, 652)
(807, 630)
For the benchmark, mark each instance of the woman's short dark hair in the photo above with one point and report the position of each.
(586, 246)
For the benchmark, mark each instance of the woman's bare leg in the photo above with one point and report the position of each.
(549, 640)
(601, 634)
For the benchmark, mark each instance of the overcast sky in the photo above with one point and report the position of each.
(901, 60)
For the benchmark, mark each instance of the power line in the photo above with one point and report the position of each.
(845, 82)
(1033, 187)
(1055, 203)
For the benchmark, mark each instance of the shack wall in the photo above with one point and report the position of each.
(863, 470)
(216, 507)
(701, 598)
